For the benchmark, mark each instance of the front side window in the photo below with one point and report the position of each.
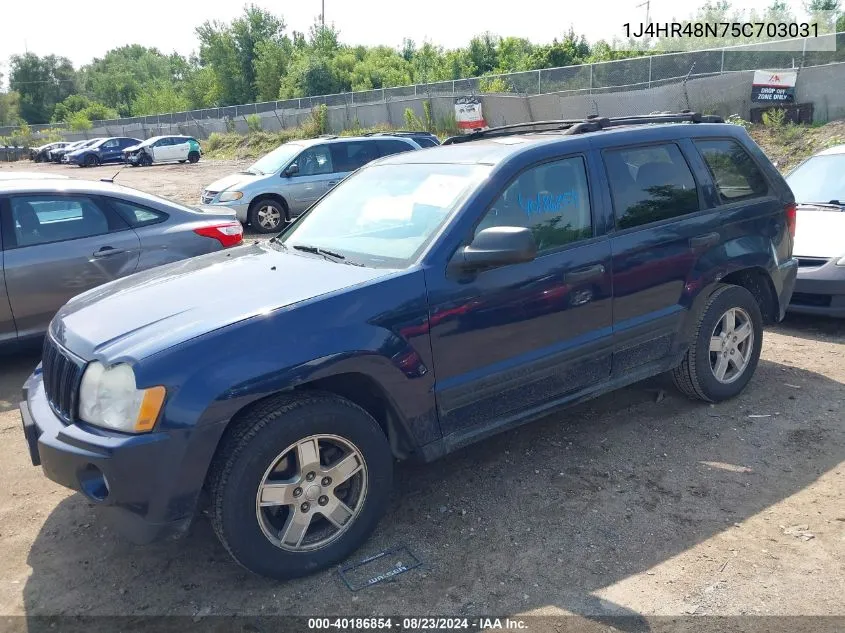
(734, 172)
(44, 219)
(551, 199)
(385, 215)
(650, 184)
(315, 161)
(275, 160)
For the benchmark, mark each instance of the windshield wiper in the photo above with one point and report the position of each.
(318, 251)
(833, 204)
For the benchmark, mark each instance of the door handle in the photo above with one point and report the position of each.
(584, 274)
(108, 251)
(703, 241)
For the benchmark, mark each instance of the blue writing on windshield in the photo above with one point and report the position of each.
(547, 202)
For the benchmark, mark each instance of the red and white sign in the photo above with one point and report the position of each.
(468, 114)
(774, 86)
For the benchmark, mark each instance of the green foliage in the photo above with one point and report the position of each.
(10, 113)
(78, 122)
(493, 84)
(774, 118)
(317, 123)
(92, 110)
(160, 98)
(41, 82)
(735, 119)
(253, 123)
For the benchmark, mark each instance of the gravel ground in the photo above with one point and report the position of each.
(632, 504)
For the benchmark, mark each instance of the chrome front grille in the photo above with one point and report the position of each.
(62, 376)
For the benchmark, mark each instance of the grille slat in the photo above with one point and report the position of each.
(62, 375)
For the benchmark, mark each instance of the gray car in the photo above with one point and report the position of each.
(62, 237)
(288, 180)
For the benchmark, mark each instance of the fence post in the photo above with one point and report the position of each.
(591, 79)
(539, 91)
(649, 70)
(722, 69)
(453, 86)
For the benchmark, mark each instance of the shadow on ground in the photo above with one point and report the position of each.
(545, 515)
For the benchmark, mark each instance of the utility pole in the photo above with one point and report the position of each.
(323, 14)
(647, 5)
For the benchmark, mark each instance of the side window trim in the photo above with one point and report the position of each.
(717, 197)
(703, 204)
(554, 159)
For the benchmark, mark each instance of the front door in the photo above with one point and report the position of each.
(110, 151)
(161, 149)
(315, 169)
(516, 339)
(57, 246)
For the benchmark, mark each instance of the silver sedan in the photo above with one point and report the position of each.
(62, 237)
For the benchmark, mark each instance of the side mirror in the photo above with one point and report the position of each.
(292, 170)
(498, 246)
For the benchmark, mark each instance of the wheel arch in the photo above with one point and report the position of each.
(270, 196)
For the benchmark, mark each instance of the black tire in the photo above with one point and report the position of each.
(253, 445)
(90, 161)
(259, 222)
(181, 162)
(193, 157)
(146, 160)
(695, 376)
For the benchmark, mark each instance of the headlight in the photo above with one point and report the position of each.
(230, 196)
(108, 397)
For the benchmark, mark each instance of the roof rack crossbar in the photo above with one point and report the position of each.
(592, 123)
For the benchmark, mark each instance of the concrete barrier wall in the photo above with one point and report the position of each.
(723, 94)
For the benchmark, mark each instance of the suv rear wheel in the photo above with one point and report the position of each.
(193, 157)
(725, 349)
(299, 484)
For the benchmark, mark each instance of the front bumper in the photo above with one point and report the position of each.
(820, 290)
(147, 485)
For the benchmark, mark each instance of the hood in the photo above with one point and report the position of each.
(133, 148)
(819, 233)
(234, 180)
(139, 315)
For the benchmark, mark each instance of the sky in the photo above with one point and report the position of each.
(82, 30)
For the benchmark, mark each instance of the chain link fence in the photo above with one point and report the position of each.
(591, 79)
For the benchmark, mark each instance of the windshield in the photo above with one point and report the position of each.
(819, 179)
(384, 215)
(275, 160)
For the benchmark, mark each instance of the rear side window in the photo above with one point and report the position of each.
(392, 146)
(650, 184)
(136, 215)
(551, 199)
(425, 141)
(736, 175)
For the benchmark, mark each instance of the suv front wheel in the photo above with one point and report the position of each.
(299, 484)
(725, 349)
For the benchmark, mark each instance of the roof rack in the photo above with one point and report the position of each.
(592, 123)
(399, 133)
(327, 136)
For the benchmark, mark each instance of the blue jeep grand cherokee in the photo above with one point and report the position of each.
(429, 300)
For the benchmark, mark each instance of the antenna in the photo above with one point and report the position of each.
(111, 180)
(647, 5)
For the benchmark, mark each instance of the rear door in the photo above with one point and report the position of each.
(660, 232)
(179, 149)
(57, 246)
(7, 323)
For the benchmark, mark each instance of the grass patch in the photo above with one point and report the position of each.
(788, 144)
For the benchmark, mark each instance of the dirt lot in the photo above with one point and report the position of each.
(625, 505)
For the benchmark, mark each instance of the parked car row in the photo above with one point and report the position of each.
(121, 149)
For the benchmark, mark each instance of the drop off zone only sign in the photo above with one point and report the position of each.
(773, 86)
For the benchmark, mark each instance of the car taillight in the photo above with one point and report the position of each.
(791, 218)
(228, 234)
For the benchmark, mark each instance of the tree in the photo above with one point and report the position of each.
(483, 53)
(271, 64)
(10, 108)
(381, 67)
(160, 98)
(41, 82)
